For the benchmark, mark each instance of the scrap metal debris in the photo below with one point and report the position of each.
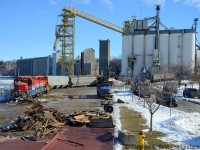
(37, 118)
(80, 118)
(42, 121)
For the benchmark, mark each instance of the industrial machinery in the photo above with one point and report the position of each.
(29, 86)
(65, 32)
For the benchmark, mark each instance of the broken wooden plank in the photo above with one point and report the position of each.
(57, 124)
(79, 117)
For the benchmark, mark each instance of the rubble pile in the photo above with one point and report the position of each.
(88, 118)
(41, 121)
(38, 119)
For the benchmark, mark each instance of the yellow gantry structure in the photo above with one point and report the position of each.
(65, 35)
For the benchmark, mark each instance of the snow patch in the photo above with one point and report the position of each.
(182, 129)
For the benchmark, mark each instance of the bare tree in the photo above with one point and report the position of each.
(151, 93)
(156, 96)
(151, 103)
(7, 68)
(181, 72)
(115, 66)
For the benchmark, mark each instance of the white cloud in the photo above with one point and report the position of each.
(155, 2)
(53, 2)
(109, 4)
(195, 3)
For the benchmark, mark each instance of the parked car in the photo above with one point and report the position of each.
(105, 90)
(166, 100)
(191, 93)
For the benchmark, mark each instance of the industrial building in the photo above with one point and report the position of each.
(176, 47)
(42, 66)
(87, 61)
(39, 66)
(56, 67)
(24, 67)
(104, 57)
(50, 65)
(34, 66)
(77, 67)
(90, 64)
(87, 64)
(145, 47)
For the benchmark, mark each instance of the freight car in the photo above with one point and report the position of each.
(29, 86)
(32, 86)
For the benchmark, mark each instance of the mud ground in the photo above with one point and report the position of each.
(67, 100)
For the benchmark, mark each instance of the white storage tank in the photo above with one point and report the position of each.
(175, 45)
(149, 46)
(188, 56)
(138, 43)
(164, 49)
(126, 51)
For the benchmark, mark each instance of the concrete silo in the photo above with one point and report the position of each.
(176, 47)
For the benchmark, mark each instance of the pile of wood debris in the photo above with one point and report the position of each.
(90, 118)
(38, 119)
(43, 121)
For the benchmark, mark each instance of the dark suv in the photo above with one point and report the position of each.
(166, 100)
(191, 93)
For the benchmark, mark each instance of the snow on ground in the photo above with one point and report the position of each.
(182, 129)
(5, 86)
(116, 120)
(6, 83)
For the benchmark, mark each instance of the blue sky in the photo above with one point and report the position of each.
(27, 27)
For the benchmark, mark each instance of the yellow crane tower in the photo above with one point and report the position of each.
(65, 34)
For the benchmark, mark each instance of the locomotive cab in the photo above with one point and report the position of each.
(29, 86)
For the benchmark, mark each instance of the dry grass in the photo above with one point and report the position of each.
(131, 122)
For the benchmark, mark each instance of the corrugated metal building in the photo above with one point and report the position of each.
(24, 67)
(42, 66)
(104, 57)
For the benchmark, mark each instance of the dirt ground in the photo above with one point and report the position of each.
(67, 100)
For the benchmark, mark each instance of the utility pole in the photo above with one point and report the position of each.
(157, 26)
(195, 28)
(157, 33)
